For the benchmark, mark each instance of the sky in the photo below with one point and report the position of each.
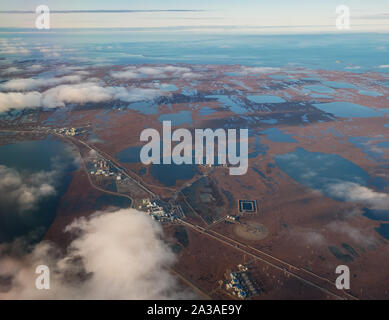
(372, 15)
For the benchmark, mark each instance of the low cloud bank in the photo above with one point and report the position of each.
(18, 100)
(345, 228)
(12, 47)
(161, 72)
(74, 93)
(114, 255)
(24, 93)
(353, 192)
(31, 83)
(256, 70)
(355, 234)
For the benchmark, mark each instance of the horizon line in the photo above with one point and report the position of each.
(103, 11)
(197, 27)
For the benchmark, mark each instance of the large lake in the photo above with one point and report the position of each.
(29, 157)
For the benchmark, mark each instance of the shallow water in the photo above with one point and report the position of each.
(205, 111)
(338, 85)
(319, 171)
(347, 110)
(182, 117)
(266, 99)
(276, 135)
(232, 103)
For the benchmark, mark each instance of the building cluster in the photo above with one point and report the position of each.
(233, 218)
(240, 284)
(68, 131)
(157, 212)
(208, 165)
(103, 168)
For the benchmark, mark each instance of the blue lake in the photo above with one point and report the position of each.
(144, 107)
(169, 174)
(189, 92)
(177, 119)
(320, 89)
(29, 157)
(269, 121)
(347, 110)
(279, 77)
(205, 111)
(129, 155)
(276, 135)
(232, 74)
(384, 144)
(370, 93)
(311, 79)
(266, 99)
(320, 96)
(318, 171)
(383, 230)
(379, 215)
(338, 85)
(368, 146)
(240, 83)
(168, 87)
(232, 103)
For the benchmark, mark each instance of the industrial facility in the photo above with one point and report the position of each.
(240, 284)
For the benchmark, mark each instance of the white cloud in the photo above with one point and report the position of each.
(114, 255)
(191, 75)
(12, 47)
(344, 229)
(16, 70)
(384, 66)
(35, 67)
(255, 70)
(92, 92)
(21, 192)
(157, 72)
(74, 93)
(174, 69)
(353, 233)
(310, 237)
(135, 94)
(163, 71)
(31, 84)
(11, 70)
(78, 93)
(354, 192)
(17, 100)
(65, 69)
(126, 74)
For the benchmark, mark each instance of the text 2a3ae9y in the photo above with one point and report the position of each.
(224, 309)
